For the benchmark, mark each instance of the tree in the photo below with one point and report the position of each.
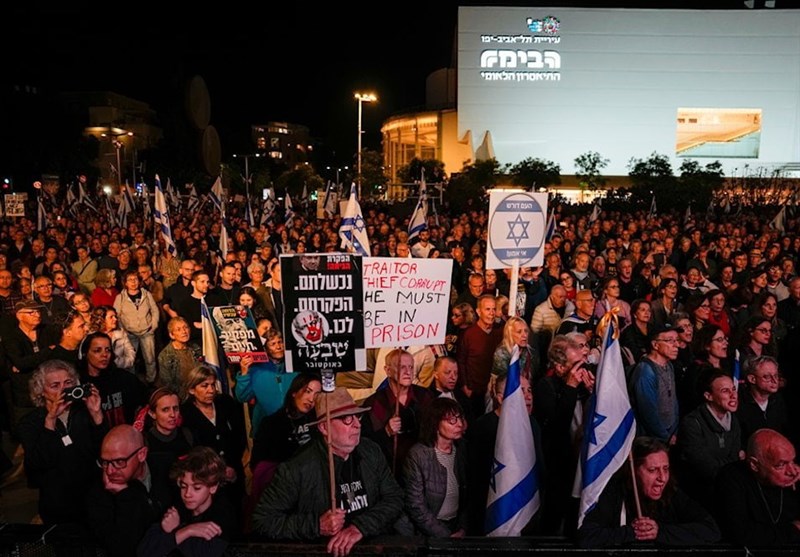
(292, 181)
(652, 176)
(467, 189)
(373, 179)
(535, 172)
(697, 184)
(411, 172)
(589, 165)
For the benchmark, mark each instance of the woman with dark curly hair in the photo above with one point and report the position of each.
(435, 473)
(668, 516)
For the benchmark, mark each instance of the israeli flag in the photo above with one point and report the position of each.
(211, 348)
(353, 230)
(610, 425)
(41, 215)
(514, 485)
(419, 220)
(217, 195)
(194, 201)
(550, 229)
(162, 218)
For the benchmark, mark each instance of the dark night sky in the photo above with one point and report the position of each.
(285, 62)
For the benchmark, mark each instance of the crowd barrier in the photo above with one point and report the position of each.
(25, 540)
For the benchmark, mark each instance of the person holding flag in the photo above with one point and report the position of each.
(514, 489)
(482, 441)
(643, 504)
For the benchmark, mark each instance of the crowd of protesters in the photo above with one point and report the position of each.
(150, 454)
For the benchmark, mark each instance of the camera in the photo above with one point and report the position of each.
(78, 392)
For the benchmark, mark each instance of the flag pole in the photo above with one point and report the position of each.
(635, 487)
(328, 386)
(513, 289)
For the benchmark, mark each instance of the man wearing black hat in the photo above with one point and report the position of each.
(652, 386)
(296, 504)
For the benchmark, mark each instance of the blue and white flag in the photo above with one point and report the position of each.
(248, 214)
(112, 220)
(72, 201)
(146, 211)
(550, 228)
(419, 220)
(83, 197)
(268, 208)
(779, 222)
(610, 424)
(737, 370)
(289, 211)
(595, 213)
(329, 207)
(217, 195)
(223, 238)
(514, 495)
(162, 218)
(41, 215)
(353, 230)
(194, 201)
(211, 348)
(126, 206)
(653, 210)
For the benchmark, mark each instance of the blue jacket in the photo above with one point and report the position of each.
(268, 383)
(644, 387)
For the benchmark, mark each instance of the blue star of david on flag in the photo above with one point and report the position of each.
(523, 234)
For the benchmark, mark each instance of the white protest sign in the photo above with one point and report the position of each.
(15, 204)
(517, 222)
(406, 301)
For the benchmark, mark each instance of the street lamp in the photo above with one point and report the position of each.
(337, 169)
(115, 134)
(362, 98)
(247, 169)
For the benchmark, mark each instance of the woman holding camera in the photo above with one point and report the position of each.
(61, 439)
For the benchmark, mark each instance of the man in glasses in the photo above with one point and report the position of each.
(761, 404)
(652, 385)
(120, 508)
(54, 308)
(296, 504)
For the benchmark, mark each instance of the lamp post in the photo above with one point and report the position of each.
(362, 98)
(247, 169)
(337, 169)
(115, 134)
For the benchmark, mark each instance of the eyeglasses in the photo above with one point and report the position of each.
(454, 419)
(348, 420)
(720, 339)
(32, 311)
(47, 285)
(667, 341)
(764, 330)
(771, 378)
(118, 463)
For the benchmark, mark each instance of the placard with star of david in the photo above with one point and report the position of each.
(516, 229)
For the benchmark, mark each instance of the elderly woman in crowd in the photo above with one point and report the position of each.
(668, 516)
(265, 383)
(61, 439)
(435, 473)
(179, 357)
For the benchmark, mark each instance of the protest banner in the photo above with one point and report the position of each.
(237, 333)
(322, 297)
(406, 301)
(15, 204)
